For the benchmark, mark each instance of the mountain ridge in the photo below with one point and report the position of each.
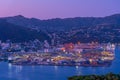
(61, 24)
(19, 33)
(84, 29)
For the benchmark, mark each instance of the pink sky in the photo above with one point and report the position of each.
(46, 9)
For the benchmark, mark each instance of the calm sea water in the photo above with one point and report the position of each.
(10, 72)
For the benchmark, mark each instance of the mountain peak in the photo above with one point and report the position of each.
(19, 16)
(114, 15)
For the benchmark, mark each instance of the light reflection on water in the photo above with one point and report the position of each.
(12, 72)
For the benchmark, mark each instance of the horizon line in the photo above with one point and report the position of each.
(59, 17)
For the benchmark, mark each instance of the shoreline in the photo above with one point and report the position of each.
(81, 65)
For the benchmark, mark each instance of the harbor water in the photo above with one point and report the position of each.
(12, 72)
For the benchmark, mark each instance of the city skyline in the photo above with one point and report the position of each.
(59, 8)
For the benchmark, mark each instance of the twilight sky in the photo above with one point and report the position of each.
(46, 9)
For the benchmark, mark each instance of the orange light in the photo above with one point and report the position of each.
(63, 49)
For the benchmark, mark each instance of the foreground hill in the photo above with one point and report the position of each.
(109, 76)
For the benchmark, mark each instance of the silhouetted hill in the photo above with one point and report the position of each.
(83, 29)
(19, 33)
(63, 24)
